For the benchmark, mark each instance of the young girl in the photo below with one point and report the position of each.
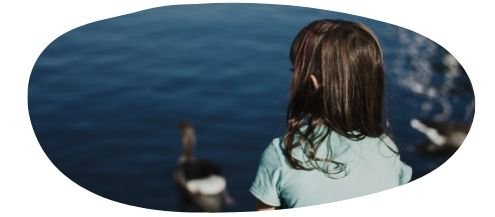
(335, 147)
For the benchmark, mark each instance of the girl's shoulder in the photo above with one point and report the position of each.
(388, 142)
(273, 153)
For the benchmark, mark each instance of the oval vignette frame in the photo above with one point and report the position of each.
(79, 110)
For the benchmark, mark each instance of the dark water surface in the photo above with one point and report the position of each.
(105, 99)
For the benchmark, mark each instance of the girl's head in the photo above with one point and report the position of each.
(338, 78)
(338, 81)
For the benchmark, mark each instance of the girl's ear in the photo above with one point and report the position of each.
(315, 82)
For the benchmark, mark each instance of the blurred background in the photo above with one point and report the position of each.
(105, 99)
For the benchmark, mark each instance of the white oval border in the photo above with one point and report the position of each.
(31, 185)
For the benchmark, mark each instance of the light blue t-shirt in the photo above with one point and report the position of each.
(370, 167)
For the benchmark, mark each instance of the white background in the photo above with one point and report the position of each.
(31, 186)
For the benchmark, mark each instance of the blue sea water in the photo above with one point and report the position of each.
(105, 99)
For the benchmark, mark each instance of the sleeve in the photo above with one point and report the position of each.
(405, 173)
(268, 177)
(404, 170)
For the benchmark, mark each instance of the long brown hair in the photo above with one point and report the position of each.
(346, 60)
